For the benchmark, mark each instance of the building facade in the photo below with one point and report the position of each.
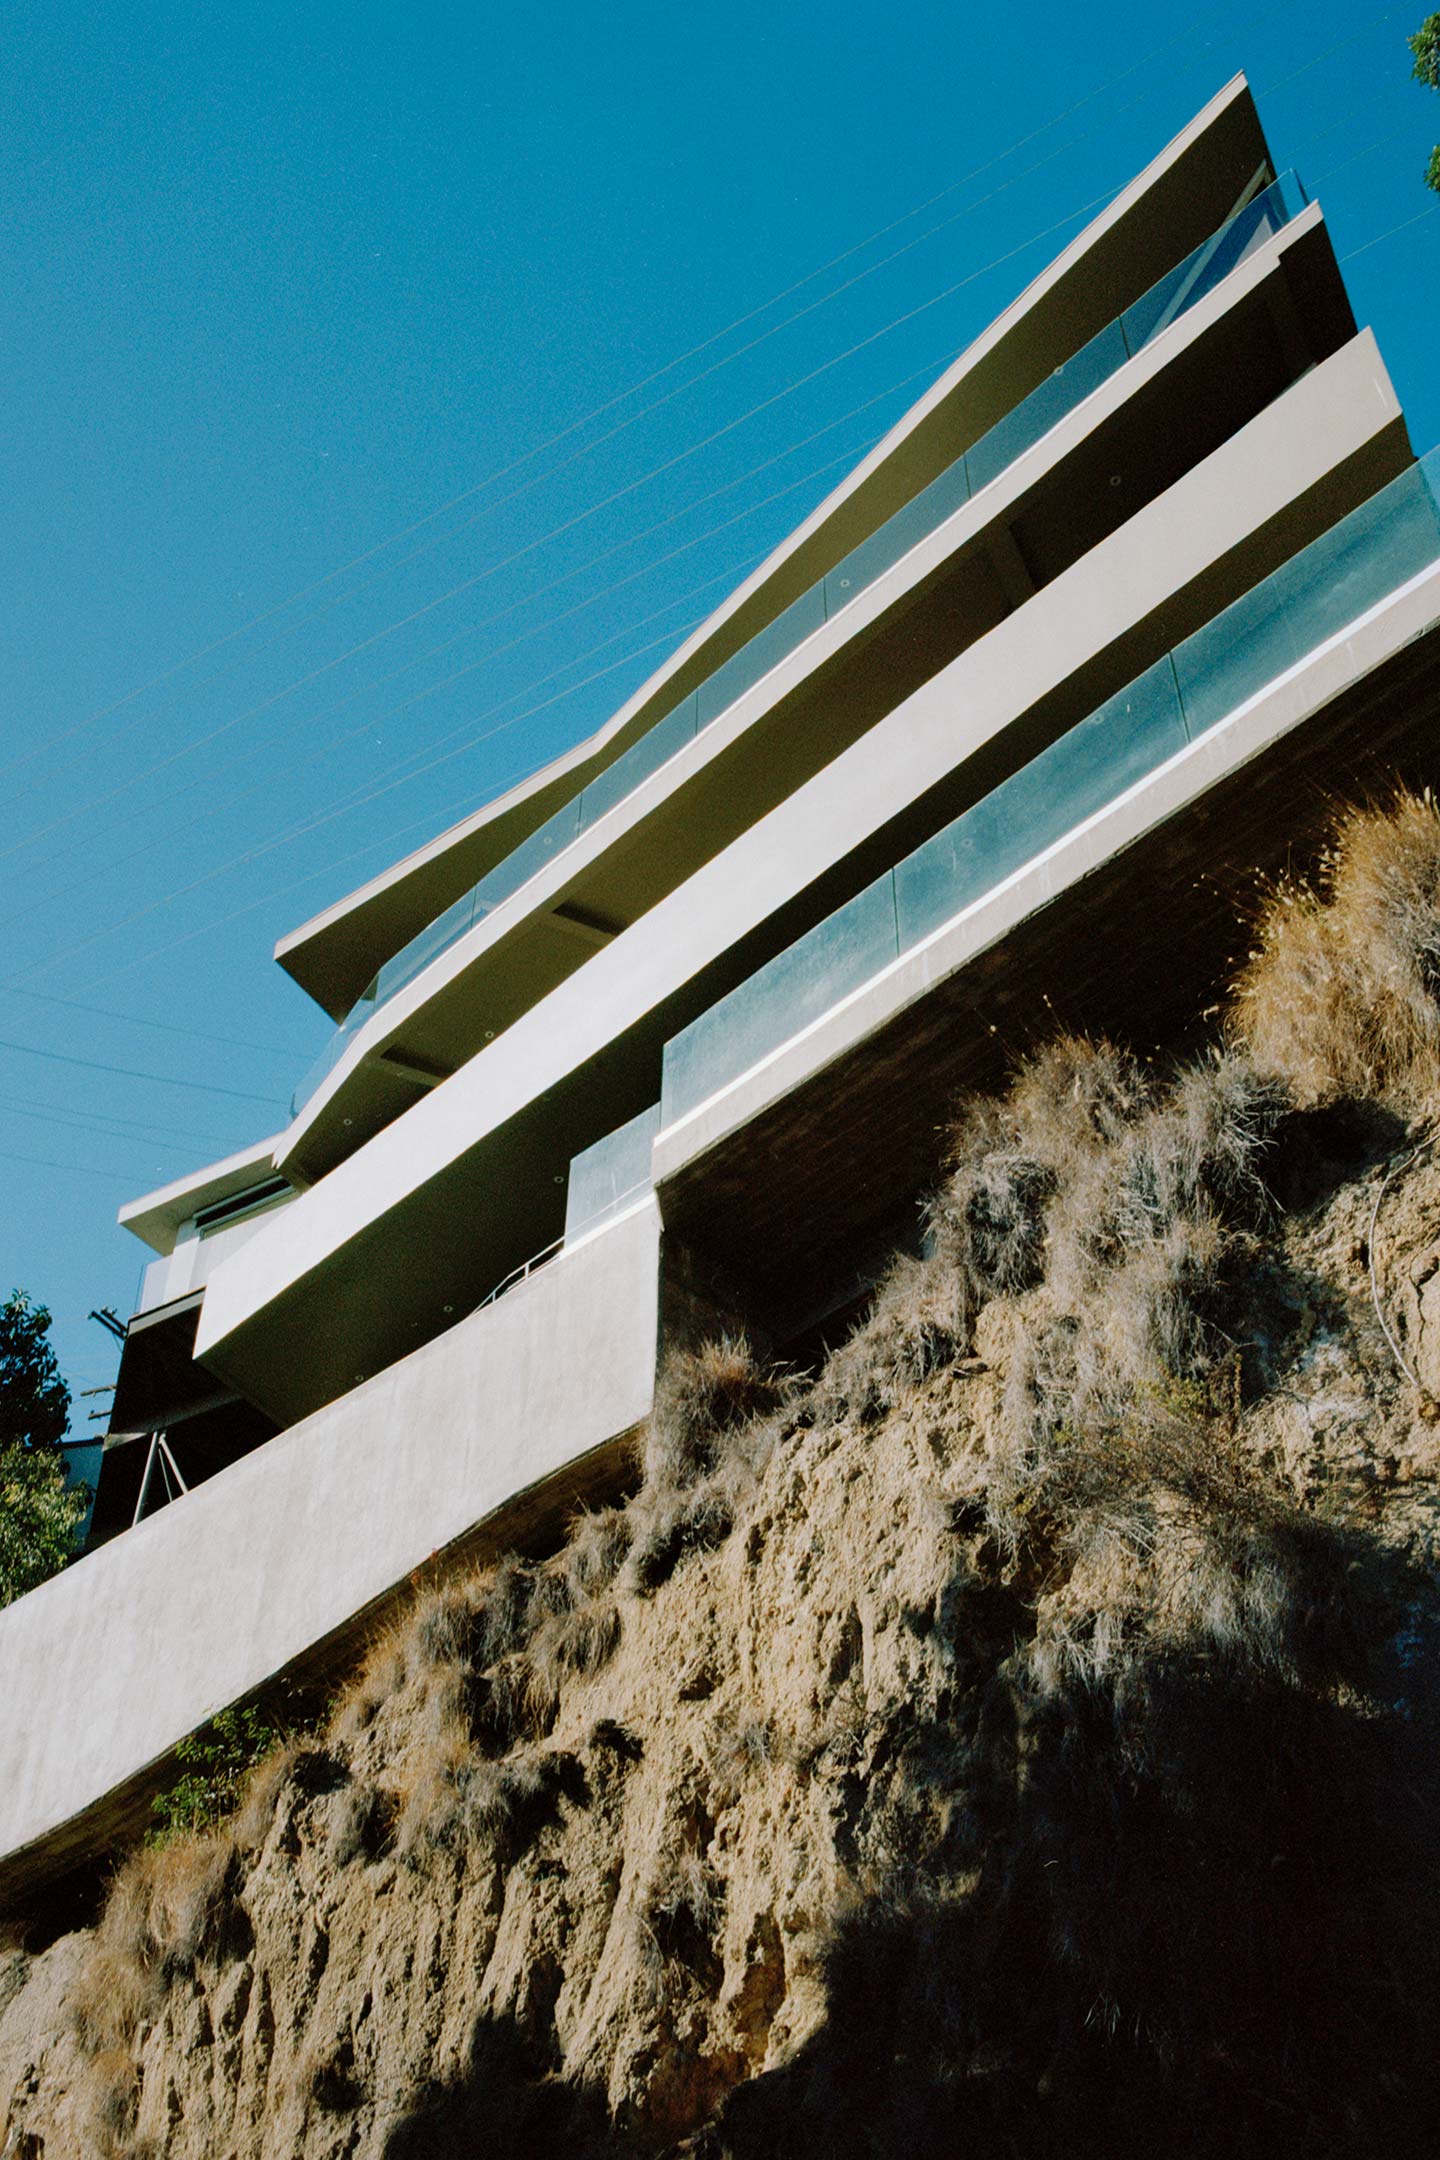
(661, 1039)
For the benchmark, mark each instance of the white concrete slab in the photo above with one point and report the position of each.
(104, 1668)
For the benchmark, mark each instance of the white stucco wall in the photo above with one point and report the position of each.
(105, 1667)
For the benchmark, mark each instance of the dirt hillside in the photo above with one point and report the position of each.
(1017, 1734)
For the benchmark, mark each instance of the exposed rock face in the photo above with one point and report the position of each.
(823, 1836)
(1023, 1735)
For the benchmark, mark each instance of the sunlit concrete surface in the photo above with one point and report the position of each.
(105, 1667)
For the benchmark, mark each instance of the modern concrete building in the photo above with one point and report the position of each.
(667, 1031)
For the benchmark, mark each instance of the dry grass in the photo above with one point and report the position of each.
(1175, 1640)
(741, 1749)
(578, 1642)
(920, 1320)
(455, 1802)
(704, 1396)
(1151, 1209)
(678, 1920)
(362, 1823)
(167, 1907)
(1341, 994)
(600, 1539)
(255, 1817)
(108, 2097)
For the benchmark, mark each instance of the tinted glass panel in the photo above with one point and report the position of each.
(642, 758)
(946, 494)
(798, 986)
(1369, 554)
(1329, 585)
(1048, 403)
(612, 1173)
(1086, 769)
(421, 950)
(764, 651)
(1214, 259)
(518, 867)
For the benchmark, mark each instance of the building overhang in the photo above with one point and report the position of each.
(1127, 927)
(376, 1257)
(1170, 208)
(743, 762)
(159, 1384)
(157, 1217)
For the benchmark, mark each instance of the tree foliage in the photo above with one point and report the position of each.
(34, 1400)
(38, 1515)
(1425, 45)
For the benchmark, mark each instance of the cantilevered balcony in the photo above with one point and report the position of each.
(470, 1181)
(1031, 420)
(1212, 167)
(1184, 368)
(912, 972)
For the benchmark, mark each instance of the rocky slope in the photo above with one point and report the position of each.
(1021, 1732)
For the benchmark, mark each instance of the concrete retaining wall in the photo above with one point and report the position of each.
(105, 1668)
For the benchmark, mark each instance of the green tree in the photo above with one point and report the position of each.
(216, 1762)
(1425, 45)
(38, 1516)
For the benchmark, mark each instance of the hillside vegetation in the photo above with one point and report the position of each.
(1017, 1736)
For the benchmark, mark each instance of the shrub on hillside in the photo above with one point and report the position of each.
(215, 1763)
(1341, 994)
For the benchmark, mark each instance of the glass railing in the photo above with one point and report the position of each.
(610, 1175)
(1316, 595)
(1020, 429)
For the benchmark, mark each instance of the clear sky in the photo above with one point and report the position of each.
(281, 282)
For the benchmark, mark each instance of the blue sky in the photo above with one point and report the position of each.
(280, 283)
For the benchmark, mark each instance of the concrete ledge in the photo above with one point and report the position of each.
(1174, 204)
(1284, 705)
(281, 1562)
(978, 521)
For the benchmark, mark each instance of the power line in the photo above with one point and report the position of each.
(342, 862)
(535, 682)
(297, 832)
(208, 777)
(1404, 226)
(1406, 128)
(693, 352)
(1372, 22)
(727, 428)
(358, 798)
(164, 1027)
(367, 796)
(104, 1125)
(44, 1162)
(60, 1057)
(497, 652)
(580, 517)
(443, 599)
(364, 797)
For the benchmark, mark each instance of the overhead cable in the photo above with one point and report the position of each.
(202, 1087)
(582, 517)
(163, 1027)
(552, 442)
(45, 1162)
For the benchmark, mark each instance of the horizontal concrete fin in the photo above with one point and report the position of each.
(106, 1666)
